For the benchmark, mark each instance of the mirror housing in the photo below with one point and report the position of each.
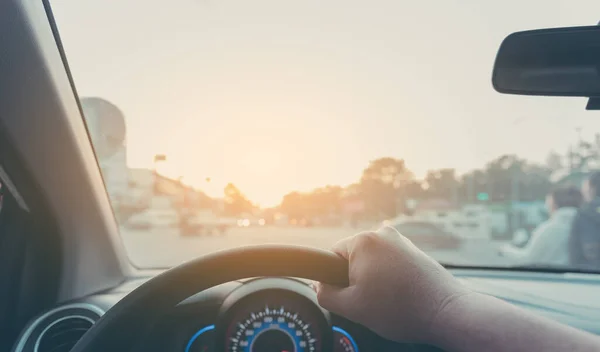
(550, 62)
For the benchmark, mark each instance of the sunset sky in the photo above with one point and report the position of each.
(279, 95)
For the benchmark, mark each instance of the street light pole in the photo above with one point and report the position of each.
(157, 158)
(514, 197)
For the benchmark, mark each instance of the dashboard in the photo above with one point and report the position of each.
(266, 315)
(282, 315)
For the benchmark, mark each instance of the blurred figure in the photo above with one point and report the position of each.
(584, 244)
(549, 242)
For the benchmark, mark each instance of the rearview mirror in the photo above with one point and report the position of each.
(552, 62)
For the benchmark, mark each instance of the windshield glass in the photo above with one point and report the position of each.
(228, 123)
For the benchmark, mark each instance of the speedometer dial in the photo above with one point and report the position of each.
(273, 329)
(273, 315)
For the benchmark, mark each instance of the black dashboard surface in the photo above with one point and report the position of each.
(237, 309)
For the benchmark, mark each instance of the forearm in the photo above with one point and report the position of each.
(477, 322)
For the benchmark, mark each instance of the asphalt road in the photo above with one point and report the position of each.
(161, 248)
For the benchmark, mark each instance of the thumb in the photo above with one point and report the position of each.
(335, 299)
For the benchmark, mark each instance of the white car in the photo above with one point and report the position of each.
(250, 222)
(154, 218)
(207, 222)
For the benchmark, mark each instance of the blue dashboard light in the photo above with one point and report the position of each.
(197, 334)
(343, 332)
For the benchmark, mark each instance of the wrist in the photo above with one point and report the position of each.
(450, 316)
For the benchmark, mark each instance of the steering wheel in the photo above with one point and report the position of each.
(125, 323)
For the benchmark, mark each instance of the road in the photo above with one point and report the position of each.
(165, 247)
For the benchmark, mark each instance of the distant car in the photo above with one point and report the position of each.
(427, 235)
(251, 222)
(154, 218)
(206, 222)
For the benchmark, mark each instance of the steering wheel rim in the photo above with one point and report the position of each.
(137, 311)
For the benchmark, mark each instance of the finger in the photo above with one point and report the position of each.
(342, 247)
(346, 246)
(335, 299)
(388, 231)
(393, 234)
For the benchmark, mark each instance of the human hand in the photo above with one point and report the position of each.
(395, 289)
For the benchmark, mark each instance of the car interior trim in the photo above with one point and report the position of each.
(7, 182)
(39, 338)
(27, 334)
(94, 257)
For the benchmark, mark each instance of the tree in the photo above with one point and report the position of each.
(293, 205)
(554, 161)
(386, 184)
(382, 183)
(235, 201)
(507, 178)
(442, 183)
(473, 183)
(319, 203)
(326, 201)
(585, 154)
(536, 182)
(413, 190)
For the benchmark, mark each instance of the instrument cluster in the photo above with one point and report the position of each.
(272, 315)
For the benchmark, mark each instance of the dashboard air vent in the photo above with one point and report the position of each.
(58, 329)
(63, 334)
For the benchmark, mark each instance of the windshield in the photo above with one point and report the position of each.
(226, 123)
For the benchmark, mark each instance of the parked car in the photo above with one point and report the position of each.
(154, 218)
(427, 235)
(250, 222)
(206, 222)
